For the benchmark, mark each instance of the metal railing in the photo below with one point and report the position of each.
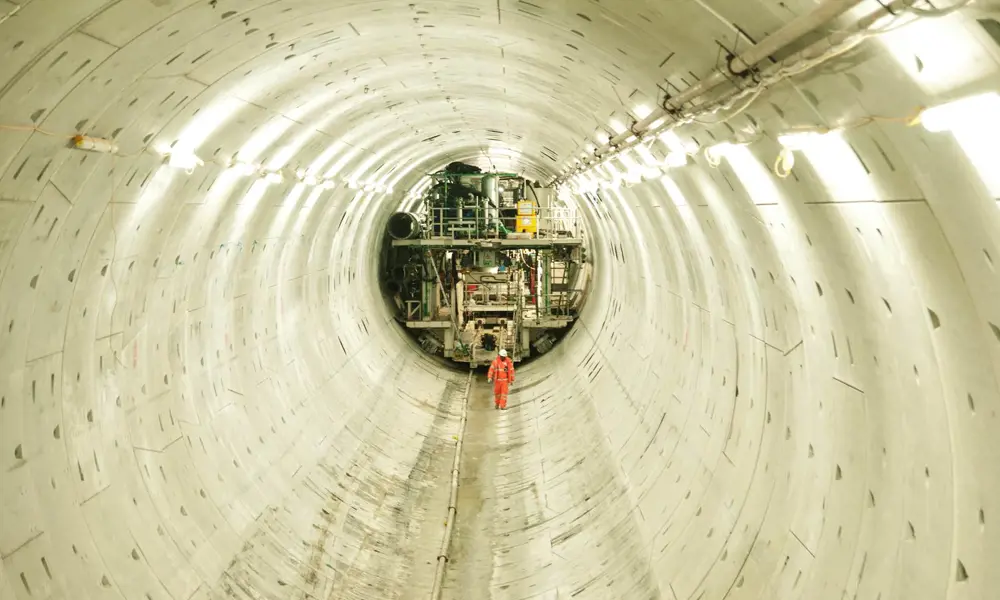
(413, 310)
(475, 222)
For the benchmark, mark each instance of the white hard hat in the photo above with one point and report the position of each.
(503, 353)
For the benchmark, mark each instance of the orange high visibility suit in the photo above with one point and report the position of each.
(502, 375)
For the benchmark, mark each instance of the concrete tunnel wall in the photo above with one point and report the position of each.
(780, 388)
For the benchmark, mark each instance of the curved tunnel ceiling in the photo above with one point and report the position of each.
(784, 385)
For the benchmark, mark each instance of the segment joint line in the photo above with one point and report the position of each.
(442, 557)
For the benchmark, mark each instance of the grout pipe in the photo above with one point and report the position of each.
(792, 31)
(810, 52)
(442, 559)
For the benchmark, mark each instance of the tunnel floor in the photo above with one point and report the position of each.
(470, 570)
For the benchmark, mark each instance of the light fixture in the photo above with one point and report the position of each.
(803, 140)
(591, 148)
(642, 111)
(245, 169)
(95, 144)
(961, 113)
(657, 124)
(714, 154)
(603, 137)
(328, 184)
(675, 160)
(273, 177)
(310, 180)
(184, 160)
(673, 142)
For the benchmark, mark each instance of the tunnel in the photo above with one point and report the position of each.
(783, 384)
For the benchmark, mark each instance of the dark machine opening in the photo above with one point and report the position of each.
(486, 261)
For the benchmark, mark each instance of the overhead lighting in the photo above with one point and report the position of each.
(617, 126)
(642, 111)
(591, 148)
(184, 160)
(715, 154)
(961, 113)
(657, 124)
(631, 139)
(245, 169)
(328, 184)
(95, 144)
(675, 160)
(803, 140)
(834, 161)
(603, 137)
(672, 142)
(273, 177)
(975, 124)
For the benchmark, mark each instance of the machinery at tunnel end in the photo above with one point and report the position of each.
(486, 261)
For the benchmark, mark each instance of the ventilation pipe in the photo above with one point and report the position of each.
(404, 226)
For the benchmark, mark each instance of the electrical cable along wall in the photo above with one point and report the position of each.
(783, 384)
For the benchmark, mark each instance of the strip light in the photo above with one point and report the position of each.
(804, 140)
(244, 169)
(95, 144)
(184, 160)
(273, 177)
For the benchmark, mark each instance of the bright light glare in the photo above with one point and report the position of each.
(260, 141)
(836, 163)
(244, 169)
(672, 142)
(801, 141)
(675, 160)
(603, 137)
(650, 168)
(246, 207)
(185, 160)
(617, 126)
(755, 178)
(273, 177)
(633, 172)
(975, 123)
(206, 122)
(963, 113)
(673, 191)
(719, 151)
(591, 148)
(642, 111)
(939, 54)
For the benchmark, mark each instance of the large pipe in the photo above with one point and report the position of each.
(810, 52)
(442, 558)
(404, 226)
(791, 32)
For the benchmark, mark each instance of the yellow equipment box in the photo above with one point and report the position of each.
(527, 218)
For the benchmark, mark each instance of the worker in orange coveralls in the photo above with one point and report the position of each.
(502, 376)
